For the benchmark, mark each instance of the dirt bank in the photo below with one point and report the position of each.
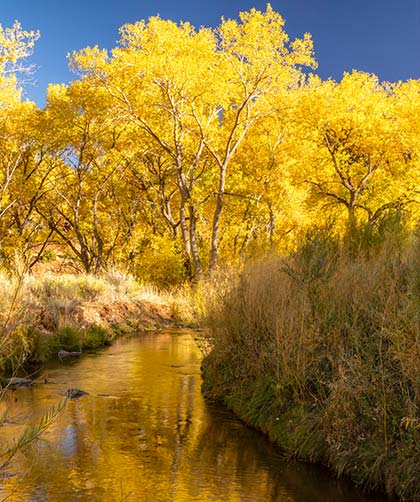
(133, 315)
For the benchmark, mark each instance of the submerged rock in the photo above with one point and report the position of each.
(204, 364)
(75, 393)
(16, 382)
(66, 353)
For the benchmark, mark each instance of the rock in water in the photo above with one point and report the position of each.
(66, 353)
(16, 382)
(75, 393)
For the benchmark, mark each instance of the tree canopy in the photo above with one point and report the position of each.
(182, 148)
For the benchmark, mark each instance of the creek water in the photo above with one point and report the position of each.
(144, 433)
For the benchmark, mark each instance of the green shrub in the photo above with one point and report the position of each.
(95, 336)
(70, 338)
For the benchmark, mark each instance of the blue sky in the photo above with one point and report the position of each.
(377, 36)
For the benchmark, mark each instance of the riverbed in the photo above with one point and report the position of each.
(144, 433)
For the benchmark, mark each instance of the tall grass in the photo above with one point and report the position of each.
(321, 350)
(14, 321)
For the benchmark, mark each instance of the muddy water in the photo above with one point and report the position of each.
(144, 433)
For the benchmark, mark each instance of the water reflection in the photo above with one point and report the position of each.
(144, 433)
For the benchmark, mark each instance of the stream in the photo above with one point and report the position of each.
(144, 433)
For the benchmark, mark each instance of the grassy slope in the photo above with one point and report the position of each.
(41, 315)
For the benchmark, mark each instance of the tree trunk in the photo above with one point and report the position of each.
(352, 234)
(198, 270)
(216, 219)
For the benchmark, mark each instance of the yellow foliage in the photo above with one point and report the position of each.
(184, 147)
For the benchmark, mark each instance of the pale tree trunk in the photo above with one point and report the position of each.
(198, 270)
(216, 219)
(189, 228)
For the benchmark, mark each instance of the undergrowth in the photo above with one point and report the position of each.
(321, 350)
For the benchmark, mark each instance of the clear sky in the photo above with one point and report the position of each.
(377, 36)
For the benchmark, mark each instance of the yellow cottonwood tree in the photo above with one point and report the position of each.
(16, 44)
(352, 152)
(20, 159)
(83, 207)
(184, 146)
(199, 114)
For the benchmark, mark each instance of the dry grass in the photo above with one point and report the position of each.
(32, 303)
(108, 288)
(322, 351)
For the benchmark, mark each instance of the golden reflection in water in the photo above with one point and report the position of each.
(144, 433)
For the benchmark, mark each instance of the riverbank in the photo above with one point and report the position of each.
(41, 316)
(321, 351)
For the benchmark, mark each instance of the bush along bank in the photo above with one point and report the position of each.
(321, 351)
(42, 316)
